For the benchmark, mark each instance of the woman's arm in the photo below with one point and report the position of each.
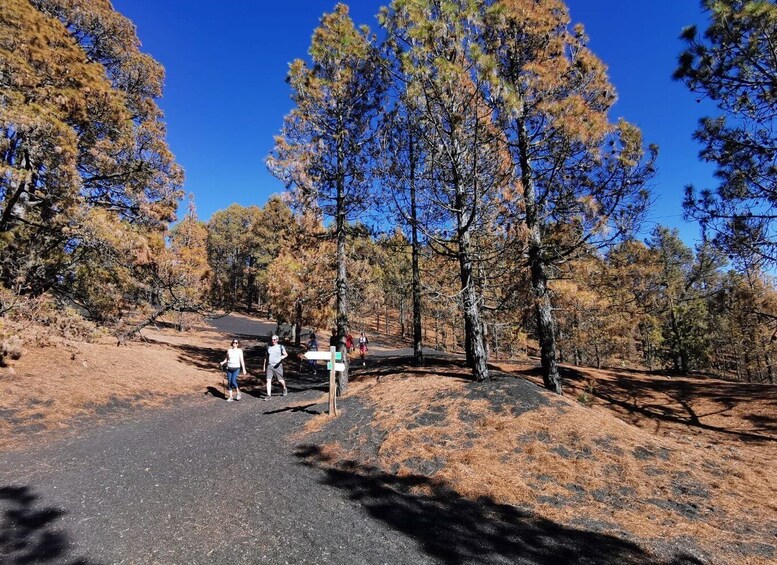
(242, 362)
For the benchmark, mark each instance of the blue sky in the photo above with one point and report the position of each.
(225, 95)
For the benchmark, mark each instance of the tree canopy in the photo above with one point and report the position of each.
(734, 64)
(87, 181)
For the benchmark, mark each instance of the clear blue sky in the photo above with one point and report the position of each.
(225, 95)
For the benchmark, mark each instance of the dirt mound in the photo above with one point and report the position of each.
(703, 496)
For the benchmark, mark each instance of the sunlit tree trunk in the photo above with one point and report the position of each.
(537, 267)
(476, 353)
(418, 352)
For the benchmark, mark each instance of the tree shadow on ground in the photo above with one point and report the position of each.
(306, 409)
(201, 357)
(676, 400)
(380, 367)
(456, 530)
(28, 532)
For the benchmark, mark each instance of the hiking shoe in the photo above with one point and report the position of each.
(229, 399)
(237, 397)
(284, 392)
(267, 398)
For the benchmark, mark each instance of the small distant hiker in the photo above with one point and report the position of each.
(273, 366)
(349, 342)
(334, 341)
(312, 345)
(232, 364)
(363, 341)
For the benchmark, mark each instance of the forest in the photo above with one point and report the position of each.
(454, 177)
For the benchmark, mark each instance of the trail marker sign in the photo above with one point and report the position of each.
(322, 356)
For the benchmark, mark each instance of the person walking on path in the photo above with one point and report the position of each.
(232, 364)
(273, 366)
(363, 341)
(334, 340)
(312, 345)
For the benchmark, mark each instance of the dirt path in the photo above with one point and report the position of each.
(200, 481)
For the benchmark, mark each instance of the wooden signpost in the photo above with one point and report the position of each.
(332, 356)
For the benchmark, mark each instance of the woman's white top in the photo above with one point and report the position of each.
(234, 354)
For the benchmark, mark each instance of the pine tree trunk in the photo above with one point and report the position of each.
(769, 370)
(546, 333)
(122, 338)
(418, 351)
(341, 283)
(298, 323)
(539, 278)
(402, 317)
(474, 342)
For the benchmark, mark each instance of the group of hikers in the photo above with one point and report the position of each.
(272, 367)
(335, 341)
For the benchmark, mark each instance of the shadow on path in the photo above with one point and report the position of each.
(216, 393)
(306, 409)
(28, 531)
(457, 530)
(389, 365)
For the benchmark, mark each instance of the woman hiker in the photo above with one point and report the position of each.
(363, 341)
(232, 364)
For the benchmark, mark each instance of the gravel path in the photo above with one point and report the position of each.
(211, 482)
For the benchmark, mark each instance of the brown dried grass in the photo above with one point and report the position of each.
(712, 485)
(60, 385)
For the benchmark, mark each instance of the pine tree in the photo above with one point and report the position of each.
(230, 251)
(87, 182)
(580, 179)
(298, 280)
(734, 63)
(464, 166)
(325, 151)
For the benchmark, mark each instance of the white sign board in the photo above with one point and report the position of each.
(338, 366)
(321, 355)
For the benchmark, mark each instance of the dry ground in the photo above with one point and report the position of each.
(683, 466)
(66, 386)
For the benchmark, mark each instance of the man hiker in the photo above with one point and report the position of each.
(273, 365)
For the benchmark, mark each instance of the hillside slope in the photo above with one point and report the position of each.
(691, 478)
